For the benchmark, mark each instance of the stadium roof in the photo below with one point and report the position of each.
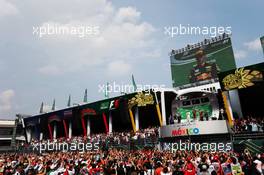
(83, 105)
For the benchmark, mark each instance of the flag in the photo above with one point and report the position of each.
(53, 105)
(41, 108)
(107, 90)
(134, 83)
(69, 101)
(85, 96)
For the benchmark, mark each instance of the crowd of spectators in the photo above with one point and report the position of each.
(248, 125)
(129, 162)
(115, 139)
(112, 161)
(142, 162)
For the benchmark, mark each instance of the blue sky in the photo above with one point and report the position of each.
(131, 41)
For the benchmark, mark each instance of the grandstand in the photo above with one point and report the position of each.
(11, 134)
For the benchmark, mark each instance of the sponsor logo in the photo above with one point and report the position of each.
(88, 111)
(114, 104)
(67, 113)
(104, 105)
(185, 131)
(54, 118)
(242, 78)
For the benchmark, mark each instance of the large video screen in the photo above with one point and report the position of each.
(200, 63)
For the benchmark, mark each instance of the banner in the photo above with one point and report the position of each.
(134, 99)
(104, 106)
(200, 64)
(67, 113)
(141, 99)
(194, 128)
(242, 77)
(54, 118)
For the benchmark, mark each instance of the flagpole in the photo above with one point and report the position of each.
(106, 94)
(109, 125)
(134, 83)
(158, 108)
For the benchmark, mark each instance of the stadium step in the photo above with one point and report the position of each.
(13, 141)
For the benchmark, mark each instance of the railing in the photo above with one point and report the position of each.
(7, 149)
(250, 140)
(134, 144)
(248, 135)
(152, 141)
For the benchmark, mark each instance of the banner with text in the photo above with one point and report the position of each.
(194, 128)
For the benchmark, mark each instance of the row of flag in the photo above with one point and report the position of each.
(85, 98)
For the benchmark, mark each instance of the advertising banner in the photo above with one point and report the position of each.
(194, 128)
(134, 99)
(242, 77)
